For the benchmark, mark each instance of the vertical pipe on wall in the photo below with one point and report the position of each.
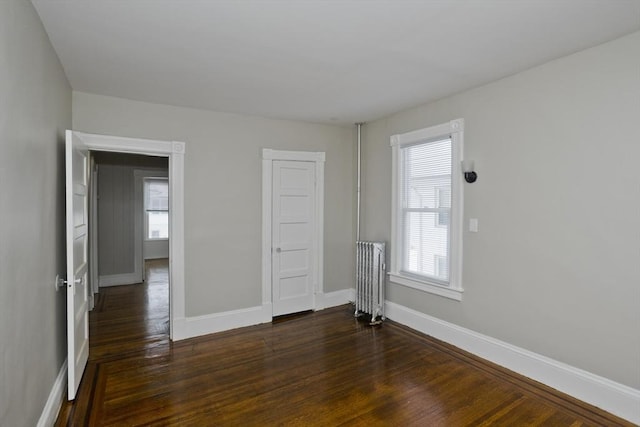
(359, 155)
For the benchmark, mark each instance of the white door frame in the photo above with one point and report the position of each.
(174, 150)
(93, 231)
(268, 156)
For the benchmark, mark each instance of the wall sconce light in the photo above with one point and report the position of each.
(469, 174)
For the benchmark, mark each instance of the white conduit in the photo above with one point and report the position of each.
(359, 154)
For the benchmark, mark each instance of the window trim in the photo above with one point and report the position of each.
(455, 130)
(146, 211)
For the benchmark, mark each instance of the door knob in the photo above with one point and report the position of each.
(278, 250)
(76, 282)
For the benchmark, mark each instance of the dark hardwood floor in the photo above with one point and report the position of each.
(324, 369)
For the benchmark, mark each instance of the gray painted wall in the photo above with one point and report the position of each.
(555, 266)
(223, 181)
(116, 220)
(116, 210)
(35, 110)
(117, 216)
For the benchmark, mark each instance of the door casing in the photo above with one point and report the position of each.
(268, 157)
(175, 151)
(293, 260)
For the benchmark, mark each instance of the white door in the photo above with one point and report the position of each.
(292, 236)
(77, 169)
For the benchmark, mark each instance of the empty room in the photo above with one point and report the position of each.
(319, 212)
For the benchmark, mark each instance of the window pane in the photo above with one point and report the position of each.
(443, 200)
(426, 245)
(157, 194)
(427, 185)
(158, 225)
(427, 175)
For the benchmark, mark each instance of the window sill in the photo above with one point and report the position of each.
(432, 288)
(157, 240)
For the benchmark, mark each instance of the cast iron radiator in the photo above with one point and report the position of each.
(370, 280)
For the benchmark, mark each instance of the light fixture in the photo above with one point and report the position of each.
(469, 174)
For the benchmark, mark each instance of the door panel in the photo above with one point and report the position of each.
(77, 158)
(292, 239)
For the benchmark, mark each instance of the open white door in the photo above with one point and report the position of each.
(77, 169)
(293, 233)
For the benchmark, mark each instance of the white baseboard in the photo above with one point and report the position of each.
(333, 299)
(218, 322)
(211, 323)
(55, 399)
(119, 279)
(611, 396)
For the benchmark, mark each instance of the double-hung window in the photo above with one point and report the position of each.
(156, 200)
(426, 250)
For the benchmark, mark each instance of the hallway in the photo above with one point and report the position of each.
(132, 317)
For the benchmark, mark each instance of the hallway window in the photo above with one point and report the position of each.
(156, 201)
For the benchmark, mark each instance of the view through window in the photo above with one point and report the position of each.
(426, 208)
(156, 195)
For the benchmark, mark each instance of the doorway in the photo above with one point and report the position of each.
(174, 152)
(130, 211)
(292, 223)
(78, 145)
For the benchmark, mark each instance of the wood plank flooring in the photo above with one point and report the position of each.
(314, 369)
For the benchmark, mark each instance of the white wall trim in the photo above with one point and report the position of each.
(55, 399)
(218, 322)
(436, 131)
(432, 288)
(302, 156)
(454, 129)
(333, 299)
(268, 156)
(267, 181)
(93, 232)
(352, 295)
(319, 226)
(175, 151)
(606, 394)
(119, 279)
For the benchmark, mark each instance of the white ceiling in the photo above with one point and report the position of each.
(331, 61)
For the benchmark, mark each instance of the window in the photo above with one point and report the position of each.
(440, 266)
(156, 203)
(427, 209)
(443, 200)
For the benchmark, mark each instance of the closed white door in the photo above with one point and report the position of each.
(292, 236)
(77, 165)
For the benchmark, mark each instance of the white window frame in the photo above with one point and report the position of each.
(455, 130)
(436, 266)
(439, 205)
(146, 208)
